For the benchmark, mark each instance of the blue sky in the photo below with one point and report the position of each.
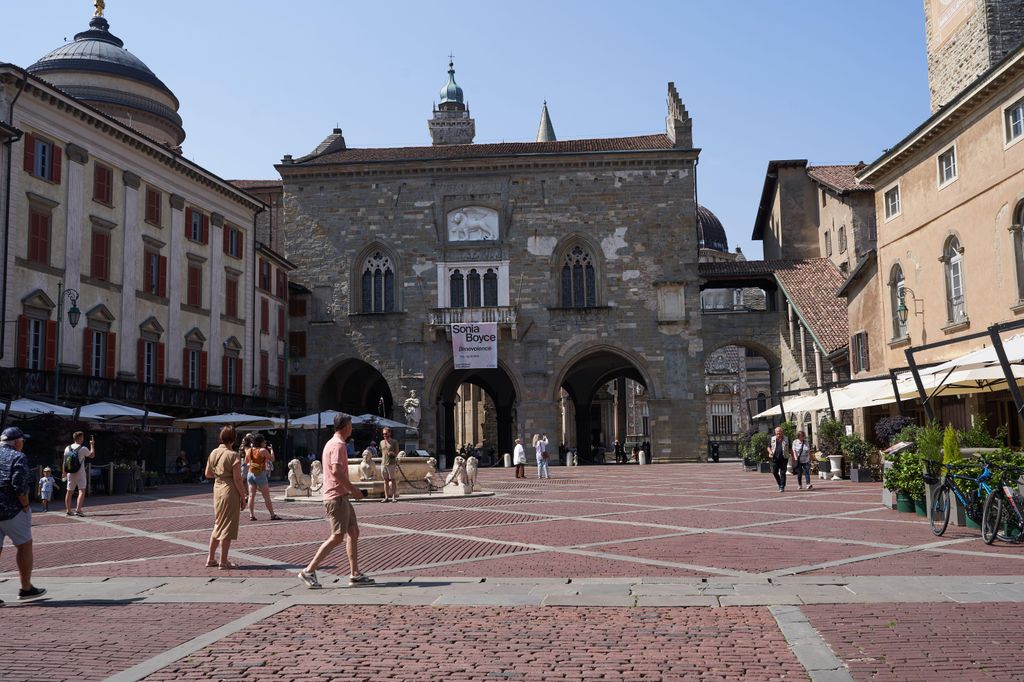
(826, 80)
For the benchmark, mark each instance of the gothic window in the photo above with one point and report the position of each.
(490, 288)
(473, 288)
(952, 255)
(896, 284)
(458, 290)
(579, 280)
(378, 284)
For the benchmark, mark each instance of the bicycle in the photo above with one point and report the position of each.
(1003, 515)
(938, 515)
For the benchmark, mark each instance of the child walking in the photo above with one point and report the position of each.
(46, 488)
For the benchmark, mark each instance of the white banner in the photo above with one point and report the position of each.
(475, 345)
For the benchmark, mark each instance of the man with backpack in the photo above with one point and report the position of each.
(75, 473)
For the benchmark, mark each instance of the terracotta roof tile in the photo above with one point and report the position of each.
(840, 178)
(256, 184)
(470, 151)
(810, 286)
(741, 268)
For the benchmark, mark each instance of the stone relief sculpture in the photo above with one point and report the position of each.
(367, 468)
(472, 223)
(412, 410)
(298, 482)
(316, 477)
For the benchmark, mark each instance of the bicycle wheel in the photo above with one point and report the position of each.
(994, 517)
(939, 513)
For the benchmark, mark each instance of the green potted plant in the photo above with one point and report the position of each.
(857, 451)
(830, 434)
(759, 451)
(897, 479)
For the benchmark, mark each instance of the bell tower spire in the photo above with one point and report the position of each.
(451, 123)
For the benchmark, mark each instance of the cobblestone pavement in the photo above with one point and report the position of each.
(617, 572)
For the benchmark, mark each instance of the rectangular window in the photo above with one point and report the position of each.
(892, 202)
(842, 239)
(282, 284)
(99, 352)
(280, 322)
(264, 315)
(103, 184)
(195, 286)
(297, 344)
(192, 371)
(231, 297)
(296, 307)
(232, 241)
(824, 197)
(947, 166)
(230, 374)
(264, 274)
(1015, 121)
(151, 273)
(36, 344)
(149, 362)
(197, 226)
(39, 236)
(42, 158)
(100, 255)
(153, 206)
(859, 352)
(828, 243)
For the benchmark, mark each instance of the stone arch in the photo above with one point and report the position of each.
(354, 386)
(578, 351)
(558, 256)
(356, 269)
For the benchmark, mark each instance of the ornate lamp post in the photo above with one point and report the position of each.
(74, 314)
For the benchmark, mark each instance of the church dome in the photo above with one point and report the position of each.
(710, 231)
(96, 69)
(451, 93)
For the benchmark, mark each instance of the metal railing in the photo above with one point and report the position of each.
(443, 317)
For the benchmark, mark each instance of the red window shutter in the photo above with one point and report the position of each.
(224, 374)
(206, 229)
(110, 371)
(34, 220)
(161, 353)
(280, 322)
(152, 206)
(55, 166)
(264, 316)
(241, 243)
(184, 368)
(22, 341)
(226, 234)
(140, 357)
(97, 183)
(203, 369)
(195, 286)
(238, 375)
(51, 346)
(87, 352)
(147, 271)
(98, 255)
(163, 276)
(188, 223)
(30, 153)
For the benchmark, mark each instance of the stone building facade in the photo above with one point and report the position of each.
(584, 252)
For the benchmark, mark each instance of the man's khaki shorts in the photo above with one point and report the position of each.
(340, 515)
(389, 473)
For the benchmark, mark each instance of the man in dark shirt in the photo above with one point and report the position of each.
(15, 512)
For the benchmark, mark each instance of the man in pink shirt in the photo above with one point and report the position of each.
(337, 507)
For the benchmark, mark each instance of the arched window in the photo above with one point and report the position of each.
(490, 288)
(473, 288)
(579, 280)
(956, 307)
(896, 283)
(378, 284)
(458, 289)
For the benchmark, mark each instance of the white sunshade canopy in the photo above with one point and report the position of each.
(795, 404)
(108, 411)
(26, 407)
(983, 357)
(953, 381)
(235, 419)
(380, 421)
(325, 419)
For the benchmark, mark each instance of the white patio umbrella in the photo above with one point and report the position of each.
(235, 419)
(104, 411)
(26, 407)
(795, 404)
(325, 420)
(982, 357)
(381, 421)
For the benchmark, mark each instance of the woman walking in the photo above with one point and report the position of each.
(224, 469)
(260, 461)
(802, 460)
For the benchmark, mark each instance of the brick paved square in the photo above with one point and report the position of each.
(853, 528)
(559, 533)
(697, 518)
(457, 518)
(930, 563)
(117, 549)
(553, 565)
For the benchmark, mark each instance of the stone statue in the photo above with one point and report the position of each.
(412, 410)
(367, 469)
(316, 477)
(298, 482)
(100, 5)
(431, 469)
(458, 473)
(472, 464)
(472, 223)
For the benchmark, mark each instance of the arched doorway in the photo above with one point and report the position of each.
(494, 390)
(606, 394)
(356, 387)
(739, 377)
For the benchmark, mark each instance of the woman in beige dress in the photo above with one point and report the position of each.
(229, 497)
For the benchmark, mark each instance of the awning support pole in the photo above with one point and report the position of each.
(896, 393)
(831, 408)
(912, 364)
(1011, 381)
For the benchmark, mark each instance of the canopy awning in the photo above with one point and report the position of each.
(234, 419)
(794, 404)
(26, 407)
(381, 422)
(325, 420)
(104, 411)
(982, 357)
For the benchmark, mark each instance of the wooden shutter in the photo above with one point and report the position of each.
(55, 166)
(163, 276)
(30, 153)
(140, 358)
(110, 371)
(51, 346)
(87, 352)
(100, 268)
(238, 375)
(280, 322)
(22, 341)
(161, 352)
(224, 374)
(203, 369)
(264, 316)
(864, 351)
(152, 206)
(226, 234)
(185, 369)
(241, 243)
(188, 223)
(206, 229)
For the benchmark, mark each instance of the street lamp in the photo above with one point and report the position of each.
(902, 312)
(74, 315)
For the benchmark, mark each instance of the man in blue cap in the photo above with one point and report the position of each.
(15, 512)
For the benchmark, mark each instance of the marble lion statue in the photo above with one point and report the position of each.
(367, 469)
(316, 476)
(458, 472)
(431, 470)
(297, 479)
(472, 464)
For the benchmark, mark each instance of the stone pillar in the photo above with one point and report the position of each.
(789, 319)
(620, 410)
(803, 350)
(71, 345)
(817, 367)
(131, 255)
(175, 283)
(215, 344)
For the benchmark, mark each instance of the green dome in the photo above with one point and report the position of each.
(451, 92)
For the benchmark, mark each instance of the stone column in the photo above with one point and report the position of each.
(175, 284)
(215, 343)
(789, 319)
(620, 410)
(131, 254)
(803, 350)
(70, 340)
(817, 367)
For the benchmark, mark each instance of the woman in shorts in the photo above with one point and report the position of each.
(260, 461)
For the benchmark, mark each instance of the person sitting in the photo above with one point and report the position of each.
(183, 468)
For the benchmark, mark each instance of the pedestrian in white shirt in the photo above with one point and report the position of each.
(540, 446)
(519, 458)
